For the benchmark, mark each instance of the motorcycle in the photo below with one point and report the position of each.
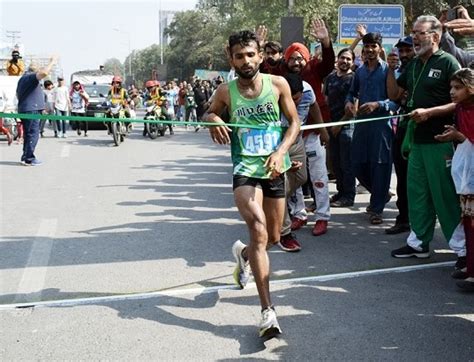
(154, 113)
(9, 123)
(118, 128)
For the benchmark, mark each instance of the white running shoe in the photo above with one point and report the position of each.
(269, 326)
(242, 269)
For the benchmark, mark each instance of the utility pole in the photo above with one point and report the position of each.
(13, 35)
(160, 15)
(130, 53)
(291, 5)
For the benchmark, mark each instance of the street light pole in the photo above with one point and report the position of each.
(130, 59)
(129, 51)
(160, 15)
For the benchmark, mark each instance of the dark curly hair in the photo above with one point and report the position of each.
(243, 38)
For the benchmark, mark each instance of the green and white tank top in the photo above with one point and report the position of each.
(251, 147)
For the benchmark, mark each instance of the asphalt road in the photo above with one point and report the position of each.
(130, 246)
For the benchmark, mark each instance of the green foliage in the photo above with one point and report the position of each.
(196, 43)
(144, 63)
(113, 66)
(199, 36)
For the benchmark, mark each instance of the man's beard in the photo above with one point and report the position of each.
(344, 67)
(295, 69)
(424, 48)
(404, 61)
(271, 61)
(247, 75)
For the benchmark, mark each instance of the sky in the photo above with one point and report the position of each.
(84, 33)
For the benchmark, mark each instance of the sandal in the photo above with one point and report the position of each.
(376, 219)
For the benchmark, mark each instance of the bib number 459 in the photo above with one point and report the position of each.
(260, 142)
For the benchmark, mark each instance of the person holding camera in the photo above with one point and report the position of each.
(31, 100)
(15, 66)
(447, 43)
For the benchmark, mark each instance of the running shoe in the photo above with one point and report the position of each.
(408, 252)
(297, 223)
(289, 243)
(242, 269)
(269, 326)
(320, 227)
(466, 285)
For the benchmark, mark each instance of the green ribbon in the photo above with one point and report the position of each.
(53, 117)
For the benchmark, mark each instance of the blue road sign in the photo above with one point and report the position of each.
(385, 19)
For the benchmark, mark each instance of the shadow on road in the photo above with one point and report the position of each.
(381, 317)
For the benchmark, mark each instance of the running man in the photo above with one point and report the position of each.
(260, 159)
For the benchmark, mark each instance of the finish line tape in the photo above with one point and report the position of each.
(182, 123)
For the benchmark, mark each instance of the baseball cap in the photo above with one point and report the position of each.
(406, 41)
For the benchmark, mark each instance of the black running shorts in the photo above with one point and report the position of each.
(274, 189)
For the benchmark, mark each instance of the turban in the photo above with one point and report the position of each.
(297, 47)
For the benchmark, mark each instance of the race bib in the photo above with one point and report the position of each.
(259, 142)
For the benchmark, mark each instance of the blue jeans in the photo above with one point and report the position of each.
(375, 177)
(30, 137)
(61, 125)
(340, 148)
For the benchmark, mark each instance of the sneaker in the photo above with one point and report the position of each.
(320, 228)
(376, 219)
(197, 128)
(269, 326)
(408, 252)
(398, 228)
(36, 162)
(342, 203)
(78, 132)
(297, 223)
(242, 269)
(289, 243)
(460, 274)
(24, 163)
(64, 135)
(466, 285)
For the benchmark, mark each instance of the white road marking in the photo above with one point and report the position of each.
(198, 291)
(65, 151)
(32, 280)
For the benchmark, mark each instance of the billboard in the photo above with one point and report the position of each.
(385, 19)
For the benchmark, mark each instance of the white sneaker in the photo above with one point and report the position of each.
(269, 326)
(242, 269)
(64, 135)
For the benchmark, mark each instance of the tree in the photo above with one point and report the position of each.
(113, 66)
(197, 42)
(144, 63)
(199, 36)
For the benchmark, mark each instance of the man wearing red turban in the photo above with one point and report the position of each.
(313, 71)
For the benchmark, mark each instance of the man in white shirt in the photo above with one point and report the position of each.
(62, 105)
